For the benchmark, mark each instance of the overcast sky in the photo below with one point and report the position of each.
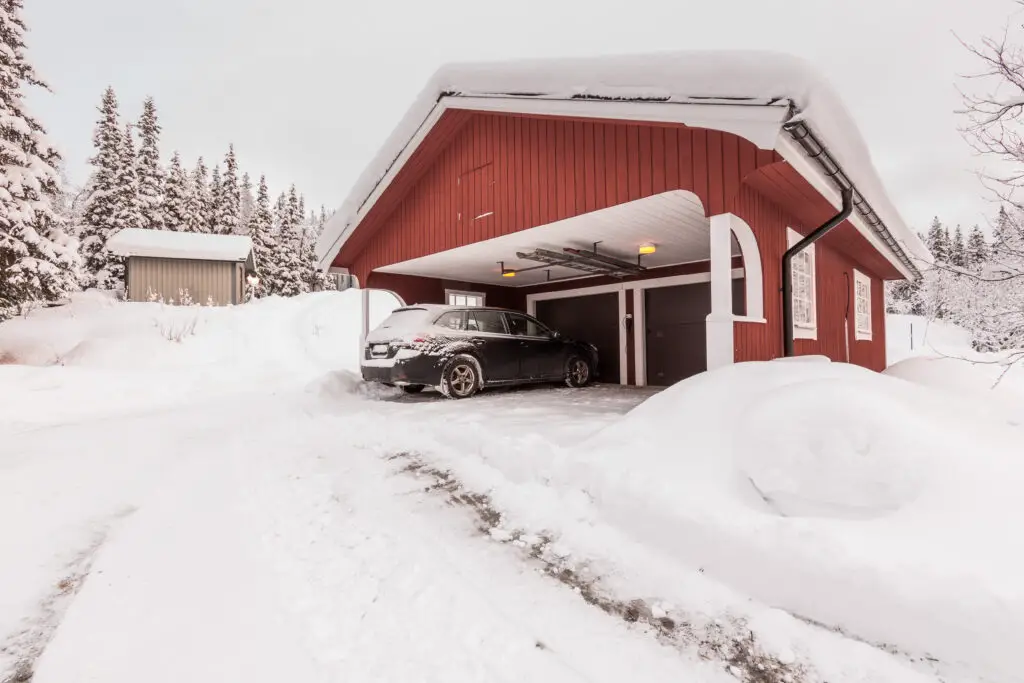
(308, 89)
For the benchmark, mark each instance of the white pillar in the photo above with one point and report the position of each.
(365, 296)
(720, 321)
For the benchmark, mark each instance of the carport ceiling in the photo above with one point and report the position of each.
(673, 221)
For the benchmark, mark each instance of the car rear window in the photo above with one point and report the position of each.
(410, 319)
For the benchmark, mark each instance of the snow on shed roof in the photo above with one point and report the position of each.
(740, 78)
(180, 245)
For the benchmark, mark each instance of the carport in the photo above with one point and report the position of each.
(684, 210)
(635, 279)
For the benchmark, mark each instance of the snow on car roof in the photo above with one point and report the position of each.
(180, 245)
(742, 78)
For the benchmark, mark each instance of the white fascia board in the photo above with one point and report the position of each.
(758, 123)
(791, 152)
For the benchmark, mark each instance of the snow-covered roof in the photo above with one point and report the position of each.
(727, 79)
(180, 245)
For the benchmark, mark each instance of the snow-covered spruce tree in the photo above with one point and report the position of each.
(247, 203)
(312, 282)
(198, 220)
(227, 197)
(176, 196)
(149, 170)
(322, 220)
(936, 241)
(957, 249)
(127, 205)
(100, 268)
(37, 258)
(260, 228)
(214, 201)
(977, 249)
(289, 280)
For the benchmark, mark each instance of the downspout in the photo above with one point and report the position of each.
(846, 315)
(787, 266)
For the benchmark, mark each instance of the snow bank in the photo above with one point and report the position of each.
(834, 493)
(114, 356)
(940, 355)
(94, 330)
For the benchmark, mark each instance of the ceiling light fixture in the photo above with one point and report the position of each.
(506, 272)
(647, 248)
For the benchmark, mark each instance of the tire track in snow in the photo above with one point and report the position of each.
(20, 650)
(730, 642)
(391, 586)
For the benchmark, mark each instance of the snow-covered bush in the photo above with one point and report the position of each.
(176, 328)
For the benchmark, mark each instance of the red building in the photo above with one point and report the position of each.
(642, 203)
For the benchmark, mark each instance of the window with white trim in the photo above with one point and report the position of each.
(456, 298)
(805, 299)
(862, 306)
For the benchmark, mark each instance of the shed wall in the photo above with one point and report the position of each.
(218, 281)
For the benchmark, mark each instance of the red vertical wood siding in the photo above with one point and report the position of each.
(834, 280)
(482, 175)
(530, 171)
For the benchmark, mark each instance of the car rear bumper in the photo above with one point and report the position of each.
(418, 369)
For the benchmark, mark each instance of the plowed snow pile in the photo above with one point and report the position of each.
(853, 499)
(213, 494)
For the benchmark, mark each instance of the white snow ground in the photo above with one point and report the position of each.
(208, 494)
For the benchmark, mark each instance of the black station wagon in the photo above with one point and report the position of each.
(461, 350)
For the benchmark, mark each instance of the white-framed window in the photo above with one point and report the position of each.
(805, 290)
(457, 298)
(861, 306)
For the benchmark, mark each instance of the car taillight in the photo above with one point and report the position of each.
(417, 342)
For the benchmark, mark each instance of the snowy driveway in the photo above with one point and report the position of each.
(247, 539)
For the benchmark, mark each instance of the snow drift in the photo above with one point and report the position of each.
(835, 493)
(95, 330)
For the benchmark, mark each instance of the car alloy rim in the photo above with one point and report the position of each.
(580, 372)
(461, 380)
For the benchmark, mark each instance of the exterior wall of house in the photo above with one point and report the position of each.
(218, 281)
(483, 175)
(834, 281)
(501, 173)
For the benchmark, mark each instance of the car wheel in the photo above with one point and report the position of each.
(577, 372)
(413, 388)
(461, 377)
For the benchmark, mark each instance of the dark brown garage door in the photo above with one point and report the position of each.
(593, 319)
(676, 339)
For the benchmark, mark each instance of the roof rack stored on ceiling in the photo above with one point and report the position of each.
(583, 261)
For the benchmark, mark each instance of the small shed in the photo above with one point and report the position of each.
(172, 266)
